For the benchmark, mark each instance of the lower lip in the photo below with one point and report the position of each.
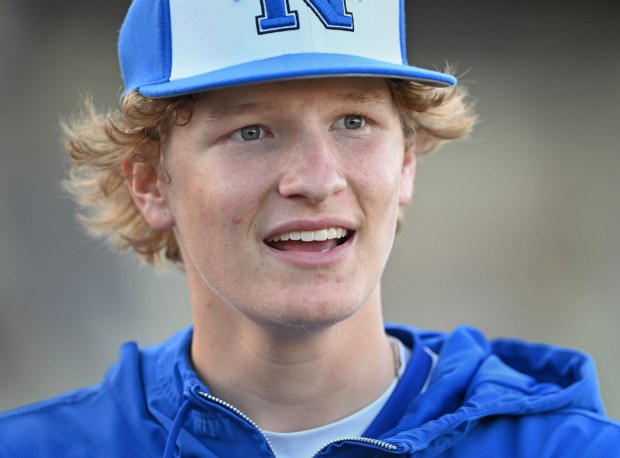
(313, 259)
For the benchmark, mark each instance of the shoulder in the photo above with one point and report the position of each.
(591, 433)
(561, 433)
(90, 421)
(76, 423)
(59, 406)
(118, 417)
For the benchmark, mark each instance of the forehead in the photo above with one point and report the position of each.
(371, 92)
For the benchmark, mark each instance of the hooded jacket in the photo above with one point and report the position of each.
(501, 398)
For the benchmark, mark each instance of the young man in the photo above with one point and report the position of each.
(267, 147)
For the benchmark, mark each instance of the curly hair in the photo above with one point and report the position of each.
(101, 143)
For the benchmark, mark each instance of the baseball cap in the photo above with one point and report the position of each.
(174, 47)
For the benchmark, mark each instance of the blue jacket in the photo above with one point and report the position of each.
(502, 398)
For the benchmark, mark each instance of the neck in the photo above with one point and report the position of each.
(274, 374)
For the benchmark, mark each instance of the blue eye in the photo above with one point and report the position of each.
(249, 133)
(351, 122)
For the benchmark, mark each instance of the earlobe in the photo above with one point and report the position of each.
(407, 177)
(146, 191)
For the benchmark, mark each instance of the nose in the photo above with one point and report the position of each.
(311, 170)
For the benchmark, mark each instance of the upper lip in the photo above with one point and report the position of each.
(309, 225)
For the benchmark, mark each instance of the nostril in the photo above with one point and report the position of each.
(313, 186)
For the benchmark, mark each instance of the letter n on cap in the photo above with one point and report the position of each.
(278, 17)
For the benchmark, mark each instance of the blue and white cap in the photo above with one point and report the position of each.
(174, 47)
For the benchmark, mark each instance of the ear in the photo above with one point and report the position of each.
(407, 177)
(147, 191)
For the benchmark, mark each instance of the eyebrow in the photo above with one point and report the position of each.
(373, 99)
(215, 114)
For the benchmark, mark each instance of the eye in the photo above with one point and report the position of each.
(249, 133)
(351, 122)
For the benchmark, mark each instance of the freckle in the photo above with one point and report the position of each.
(237, 219)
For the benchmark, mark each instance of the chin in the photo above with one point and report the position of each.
(311, 316)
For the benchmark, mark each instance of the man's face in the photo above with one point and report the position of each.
(284, 197)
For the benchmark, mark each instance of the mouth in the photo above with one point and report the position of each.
(319, 241)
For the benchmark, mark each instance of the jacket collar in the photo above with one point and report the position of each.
(474, 378)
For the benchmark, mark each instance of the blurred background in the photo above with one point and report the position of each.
(515, 230)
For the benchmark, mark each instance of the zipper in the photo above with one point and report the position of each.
(363, 440)
(240, 414)
(237, 412)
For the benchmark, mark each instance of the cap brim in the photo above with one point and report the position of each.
(295, 66)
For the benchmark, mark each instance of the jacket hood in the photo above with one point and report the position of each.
(477, 379)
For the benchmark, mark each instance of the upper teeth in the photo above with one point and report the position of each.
(311, 236)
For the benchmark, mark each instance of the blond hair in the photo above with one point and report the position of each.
(100, 144)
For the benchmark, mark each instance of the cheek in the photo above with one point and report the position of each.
(377, 174)
(213, 199)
